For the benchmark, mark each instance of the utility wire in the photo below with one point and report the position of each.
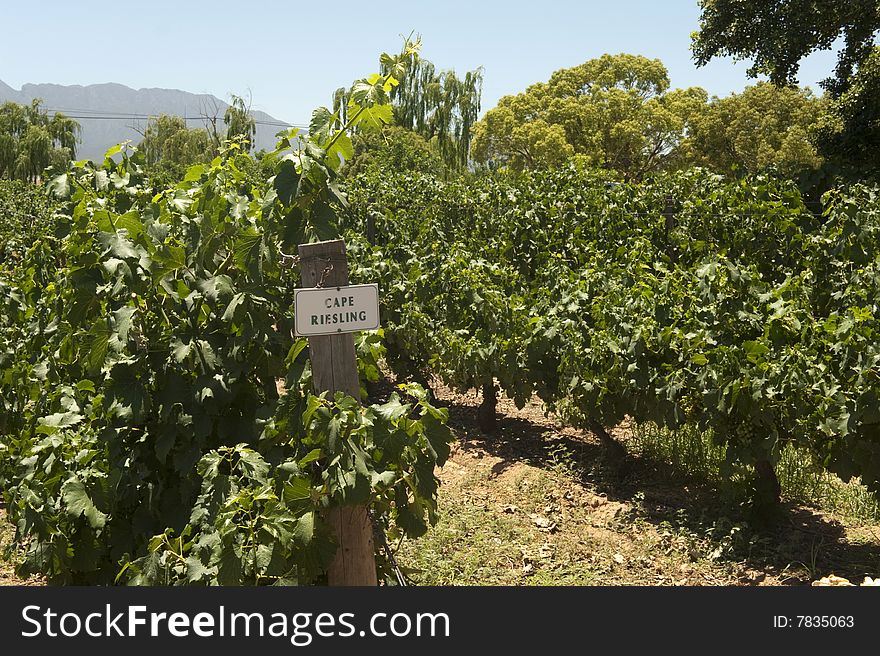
(107, 115)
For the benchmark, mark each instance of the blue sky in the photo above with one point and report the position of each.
(292, 55)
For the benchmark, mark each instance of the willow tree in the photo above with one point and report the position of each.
(64, 132)
(34, 153)
(239, 122)
(440, 106)
(168, 140)
(31, 140)
(437, 105)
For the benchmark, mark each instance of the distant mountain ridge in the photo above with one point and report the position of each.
(110, 113)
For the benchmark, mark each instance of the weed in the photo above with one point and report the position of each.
(690, 454)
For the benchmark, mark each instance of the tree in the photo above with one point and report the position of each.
(778, 34)
(439, 106)
(64, 131)
(167, 139)
(850, 132)
(764, 127)
(615, 111)
(239, 122)
(30, 140)
(393, 149)
(34, 149)
(517, 133)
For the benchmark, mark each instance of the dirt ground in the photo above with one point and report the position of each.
(7, 573)
(535, 504)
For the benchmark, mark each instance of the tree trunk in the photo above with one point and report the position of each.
(614, 450)
(371, 229)
(767, 487)
(486, 413)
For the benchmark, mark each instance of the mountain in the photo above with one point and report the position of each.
(111, 113)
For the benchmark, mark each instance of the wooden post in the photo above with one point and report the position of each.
(334, 368)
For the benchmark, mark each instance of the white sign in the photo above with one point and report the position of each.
(332, 310)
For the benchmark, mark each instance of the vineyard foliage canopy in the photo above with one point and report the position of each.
(689, 299)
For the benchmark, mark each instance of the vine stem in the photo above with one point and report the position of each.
(354, 118)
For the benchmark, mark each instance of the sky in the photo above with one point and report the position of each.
(290, 56)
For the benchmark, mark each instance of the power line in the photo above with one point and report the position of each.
(107, 115)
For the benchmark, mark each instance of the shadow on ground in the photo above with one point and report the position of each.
(799, 545)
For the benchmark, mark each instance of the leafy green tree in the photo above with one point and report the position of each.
(441, 107)
(169, 148)
(616, 112)
(64, 132)
(34, 149)
(508, 134)
(763, 128)
(31, 140)
(393, 149)
(438, 105)
(239, 123)
(778, 34)
(168, 139)
(850, 131)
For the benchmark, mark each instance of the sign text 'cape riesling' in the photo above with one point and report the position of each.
(332, 310)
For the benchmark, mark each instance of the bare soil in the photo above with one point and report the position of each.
(7, 566)
(537, 503)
